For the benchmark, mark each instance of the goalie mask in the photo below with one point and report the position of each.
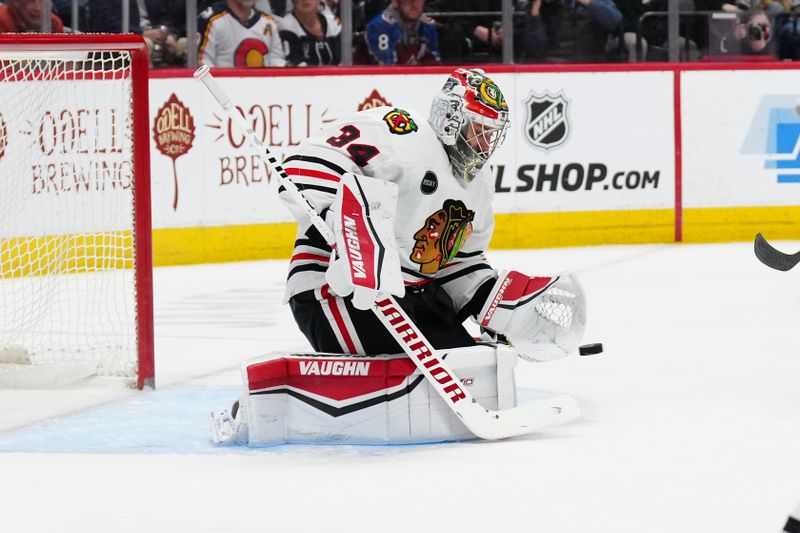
(470, 118)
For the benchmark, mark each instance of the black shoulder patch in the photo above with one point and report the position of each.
(429, 183)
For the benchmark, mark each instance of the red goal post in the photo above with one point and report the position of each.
(75, 232)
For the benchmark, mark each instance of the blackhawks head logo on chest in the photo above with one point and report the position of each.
(442, 236)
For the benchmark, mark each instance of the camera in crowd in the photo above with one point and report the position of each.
(757, 31)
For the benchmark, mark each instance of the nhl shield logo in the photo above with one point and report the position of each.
(546, 122)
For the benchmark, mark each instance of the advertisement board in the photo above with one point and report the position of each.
(67, 157)
(741, 157)
(212, 177)
(568, 149)
(741, 149)
(589, 142)
(595, 154)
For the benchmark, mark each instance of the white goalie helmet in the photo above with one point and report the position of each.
(470, 117)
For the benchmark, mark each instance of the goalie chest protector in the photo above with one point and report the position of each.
(437, 214)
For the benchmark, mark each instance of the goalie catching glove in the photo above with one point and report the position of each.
(543, 317)
(367, 264)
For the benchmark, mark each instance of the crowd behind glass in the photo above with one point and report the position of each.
(258, 33)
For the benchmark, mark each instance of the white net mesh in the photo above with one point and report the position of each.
(67, 290)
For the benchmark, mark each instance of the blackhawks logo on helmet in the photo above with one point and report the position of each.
(486, 91)
(400, 122)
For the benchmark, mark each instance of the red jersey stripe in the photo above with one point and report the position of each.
(294, 171)
(310, 257)
(337, 316)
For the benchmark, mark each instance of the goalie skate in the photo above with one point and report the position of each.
(222, 427)
(227, 426)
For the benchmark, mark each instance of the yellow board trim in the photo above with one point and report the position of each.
(248, 242)
(222, 244)
(180, 246)
(729, 224)
(512, 231)
(583, 228)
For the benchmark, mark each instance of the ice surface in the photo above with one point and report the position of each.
(691, 418)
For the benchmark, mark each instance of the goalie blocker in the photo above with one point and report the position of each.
(344, 399)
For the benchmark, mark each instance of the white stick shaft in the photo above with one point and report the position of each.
(482, 422)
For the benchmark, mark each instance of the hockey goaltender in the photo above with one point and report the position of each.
(390, 204)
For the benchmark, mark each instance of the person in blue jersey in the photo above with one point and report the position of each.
(403, 35)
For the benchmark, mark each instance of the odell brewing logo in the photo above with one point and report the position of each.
(375, 99)
(3, 137)
(173, 132)
(76, 150)
(278, 126)
(546, 122)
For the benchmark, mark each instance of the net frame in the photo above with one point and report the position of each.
(143, 262)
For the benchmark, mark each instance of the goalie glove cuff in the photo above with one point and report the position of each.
(511, 290)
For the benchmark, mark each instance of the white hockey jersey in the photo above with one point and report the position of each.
(229, 42)
(442, 227)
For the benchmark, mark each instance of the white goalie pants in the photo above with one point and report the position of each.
(365, 399)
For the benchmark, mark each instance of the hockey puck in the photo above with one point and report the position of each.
(591, 349)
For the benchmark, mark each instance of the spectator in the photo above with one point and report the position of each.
(788, 42)
(469, 37)
(787, 27)
(755, 34)
(632, 11)
(275, 8)
(534, 42)
(785, 24)
(63, 8)
(580, 30)
(728, 6)
(595, 20)
(235, 34)
(702, 33)
(480, 38)
(363, 12)
(403, 35)
(653, 29)
(310, 36)
(770, 7)
(169, 16)
(105, 16)
(25, 16)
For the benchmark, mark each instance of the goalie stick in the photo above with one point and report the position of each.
(482, 422)
(772, 257)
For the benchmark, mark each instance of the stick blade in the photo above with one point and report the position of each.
(525, 419)
(773, 258)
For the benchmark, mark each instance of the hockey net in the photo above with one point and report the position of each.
(75, 264)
